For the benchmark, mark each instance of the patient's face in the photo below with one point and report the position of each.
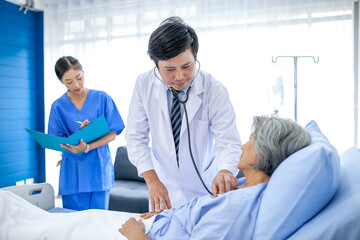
(248, 156)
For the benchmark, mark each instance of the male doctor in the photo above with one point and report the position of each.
(167, 165)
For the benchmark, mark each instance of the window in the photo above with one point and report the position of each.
(237, 42)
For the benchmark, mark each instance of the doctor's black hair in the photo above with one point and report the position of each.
(63, 65)
(171, 38)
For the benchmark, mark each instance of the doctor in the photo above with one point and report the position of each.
(165, 162)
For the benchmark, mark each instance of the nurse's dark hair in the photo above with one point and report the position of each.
(65, 63)
(275, 139)
(172, 37)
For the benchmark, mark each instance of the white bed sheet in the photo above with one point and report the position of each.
(20, 219)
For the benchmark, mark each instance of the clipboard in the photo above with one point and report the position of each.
(91, 132)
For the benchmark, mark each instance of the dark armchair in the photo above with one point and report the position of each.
(130, 193)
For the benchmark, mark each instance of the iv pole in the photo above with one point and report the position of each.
(316, 60)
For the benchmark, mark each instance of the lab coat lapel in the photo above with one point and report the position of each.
(194, 102)
(162, 101)
(161, 97)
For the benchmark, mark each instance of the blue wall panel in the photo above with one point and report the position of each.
(21, 94)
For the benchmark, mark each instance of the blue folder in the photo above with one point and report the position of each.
(89, 133)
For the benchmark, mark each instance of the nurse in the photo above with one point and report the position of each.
(86, 179)
(154, 113)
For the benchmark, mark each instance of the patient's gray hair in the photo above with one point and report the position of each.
(275, 139)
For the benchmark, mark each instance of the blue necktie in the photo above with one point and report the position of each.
(176, 124)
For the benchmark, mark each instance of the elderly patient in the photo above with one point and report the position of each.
(233, 214)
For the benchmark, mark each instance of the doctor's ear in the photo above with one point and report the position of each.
(156, 64)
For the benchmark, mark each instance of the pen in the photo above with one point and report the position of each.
(78, 122)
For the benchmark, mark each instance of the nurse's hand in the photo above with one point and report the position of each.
(133, 229)
(223, 182)
(84, 123)
(81, 147)
(158, 194)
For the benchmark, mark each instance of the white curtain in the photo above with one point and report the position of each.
(237, 41)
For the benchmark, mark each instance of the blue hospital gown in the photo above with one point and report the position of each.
(92, 171)
(228, 216)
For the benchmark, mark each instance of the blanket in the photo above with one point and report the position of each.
(20, 219)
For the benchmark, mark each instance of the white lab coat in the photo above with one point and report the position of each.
(211, 117)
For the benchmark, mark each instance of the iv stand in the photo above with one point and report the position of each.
(316, 60)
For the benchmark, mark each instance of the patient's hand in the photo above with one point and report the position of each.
(150, 214)
(223, 182)
(133, 229)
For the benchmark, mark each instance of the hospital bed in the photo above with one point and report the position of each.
(321, 211)
(40, 194)
(340, 219)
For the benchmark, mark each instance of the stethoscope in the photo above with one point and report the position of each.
(176, 94)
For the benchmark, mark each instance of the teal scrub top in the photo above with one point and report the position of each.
(94, 170)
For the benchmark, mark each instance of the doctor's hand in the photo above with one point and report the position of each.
(223, 182)
(150, 214)
(158, 194)
(75, 149)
